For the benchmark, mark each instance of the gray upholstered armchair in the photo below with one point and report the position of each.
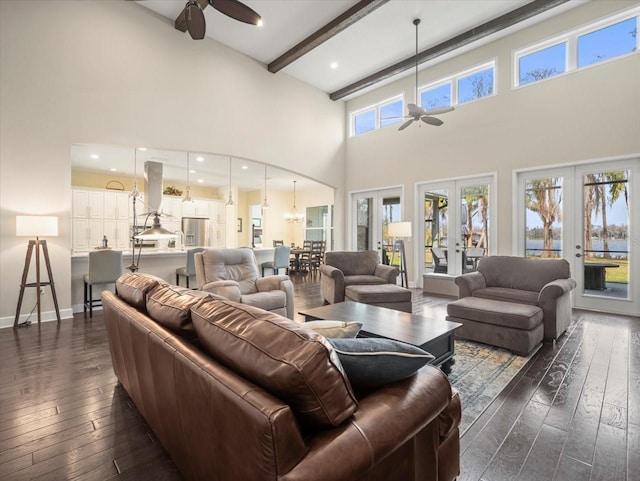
(545, 283)
(233, 273)
(342, 269)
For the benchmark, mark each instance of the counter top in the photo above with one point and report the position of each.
(145, 253)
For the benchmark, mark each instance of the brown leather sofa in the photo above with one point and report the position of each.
(237, 393)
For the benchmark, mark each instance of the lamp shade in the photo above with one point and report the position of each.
(156, 232)
(36, 226)
(400, 229)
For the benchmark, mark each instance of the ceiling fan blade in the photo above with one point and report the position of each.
(439, 111)
(431, 120)
(414, 109)
(406, 124)
(196, 25)
(236, 10)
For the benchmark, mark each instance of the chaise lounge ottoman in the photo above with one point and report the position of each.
(513, 326)
(390, 296)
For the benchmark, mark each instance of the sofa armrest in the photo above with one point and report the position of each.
(555, 289)
(331, 284)
(227, 289)
(386, 419)
(388, 273)
(467, 283)
(275, 283)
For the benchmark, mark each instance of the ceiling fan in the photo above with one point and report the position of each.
(416, 113)
(194, 16)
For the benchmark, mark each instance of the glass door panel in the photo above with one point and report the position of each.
(436, 234)
(543, 218)
(474, 225)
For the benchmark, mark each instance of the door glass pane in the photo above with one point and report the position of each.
(435, 231)
(364, 212)
(543, 218)
(606, 234)
(474, 228)
(390, 213)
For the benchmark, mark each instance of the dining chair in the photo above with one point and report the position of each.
(105, 266)
(280, 261)
(278, 243)
(314, 260)
(439, 260)
(189, 270)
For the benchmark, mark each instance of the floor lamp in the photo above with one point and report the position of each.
(36, 226)
(398, 231)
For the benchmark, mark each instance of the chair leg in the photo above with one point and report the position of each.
(90, 300)
(187, 281)
(178, 280)
(85, 297)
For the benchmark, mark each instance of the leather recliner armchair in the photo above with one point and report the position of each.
(234, 275)
(343, 269)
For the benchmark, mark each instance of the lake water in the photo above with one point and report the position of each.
(617, 248)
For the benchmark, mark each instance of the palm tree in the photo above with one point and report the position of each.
(544, 198)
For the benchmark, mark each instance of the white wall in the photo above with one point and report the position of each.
(589, 114)
(111, 72)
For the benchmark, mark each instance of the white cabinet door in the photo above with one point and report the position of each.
(88, 204)
(116, 205)
(172, 207)
(217, 211)
(80, 238)
(189, 209)
(96, 232)
(202, 208)
(216, 235)
(123, 235)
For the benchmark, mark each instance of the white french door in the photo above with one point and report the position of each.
(585, 215)
(457, 226)
(371, 213)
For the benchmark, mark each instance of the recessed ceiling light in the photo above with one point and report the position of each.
(142, 148)
(260, 23)
(192, 171)
(200, 158)
(334, 65)
(113, 169)
(200, 181)
(95, 156)
(245, 167)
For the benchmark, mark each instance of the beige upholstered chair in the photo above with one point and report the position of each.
(105, 266)
(234, 274)
(343, 269)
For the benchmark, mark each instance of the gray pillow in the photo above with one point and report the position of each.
(335, 329)
(373, 362)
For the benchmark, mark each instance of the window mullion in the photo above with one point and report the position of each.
(572, 53)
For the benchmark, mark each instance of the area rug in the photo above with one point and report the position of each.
(480, 373)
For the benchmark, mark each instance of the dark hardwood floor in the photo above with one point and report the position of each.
(573, 412)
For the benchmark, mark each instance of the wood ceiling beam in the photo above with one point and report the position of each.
(181, 21)
(334, 27)
(492, 26)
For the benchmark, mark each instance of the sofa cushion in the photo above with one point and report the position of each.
(335, 329)
(170, 306)
(282, 356)
(372, 362)
(370, 294)
(508, 295)
(268, 300)
(498, 313)
(520, 273)
(353, 263)
(133, 288)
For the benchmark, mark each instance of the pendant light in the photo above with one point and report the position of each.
(265, 204)
(294, 217)
(187, 194)
(230, 200)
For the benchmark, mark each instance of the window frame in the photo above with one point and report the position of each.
(570, 37)
(454, 78)
(376, 108)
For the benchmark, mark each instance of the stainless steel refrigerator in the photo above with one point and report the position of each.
(196, 231)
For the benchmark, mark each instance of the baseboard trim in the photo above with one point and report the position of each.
(46, 316)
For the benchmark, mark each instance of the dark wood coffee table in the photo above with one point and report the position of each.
(433, 335)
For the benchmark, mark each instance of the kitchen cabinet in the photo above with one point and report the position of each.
(88, 204)
(87, 234)
(116, 205)
(198, 208)
(118, 233)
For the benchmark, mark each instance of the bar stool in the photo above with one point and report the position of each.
(190, 269)
(105, 267)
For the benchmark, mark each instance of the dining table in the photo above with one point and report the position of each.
(297, 252)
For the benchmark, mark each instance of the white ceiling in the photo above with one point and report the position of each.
(379, 40)
(213, 169)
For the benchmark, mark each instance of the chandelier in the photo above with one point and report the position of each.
(293, 216)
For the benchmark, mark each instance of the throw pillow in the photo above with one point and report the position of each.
(295, 364)
(335, 329)
(373, 362)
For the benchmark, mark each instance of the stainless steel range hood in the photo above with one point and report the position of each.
(153, 186)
